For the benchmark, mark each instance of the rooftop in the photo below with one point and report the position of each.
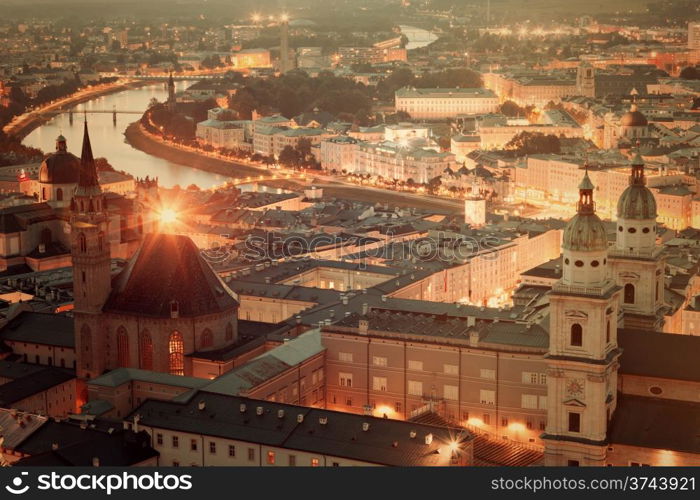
(385, 442)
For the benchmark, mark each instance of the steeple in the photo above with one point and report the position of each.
(585, 204)
(171, 93)
(637, 177)
(88, 183)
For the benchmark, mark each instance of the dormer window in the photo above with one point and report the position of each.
(174, 309)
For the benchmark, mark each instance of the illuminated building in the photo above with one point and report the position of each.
(432, 104)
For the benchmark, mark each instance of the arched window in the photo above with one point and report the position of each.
(43, 194)
(176, 354)
(101, 241)
(59, 194)
(85, 347)
(629, 293)
(146, 351)
(229, 332)
(607, 332)
(82, 242)
(122, 348)
(207, 339)
(576, 335)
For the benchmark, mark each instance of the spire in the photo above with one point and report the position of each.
(585, 195)
(88, 169)
(637, 176)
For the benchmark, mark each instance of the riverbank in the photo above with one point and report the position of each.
(139, 139)
(26, 123)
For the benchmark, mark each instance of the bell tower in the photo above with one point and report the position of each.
(91, 263)
(583, 352)
(585, 80)
(636, 261)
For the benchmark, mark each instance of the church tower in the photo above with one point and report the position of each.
(585, 80)
(636, 260)
(91, 263)
(583, 352)
(171, 93)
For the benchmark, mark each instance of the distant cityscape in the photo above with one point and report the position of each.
(396, 233)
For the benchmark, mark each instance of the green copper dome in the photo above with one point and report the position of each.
(585, 233)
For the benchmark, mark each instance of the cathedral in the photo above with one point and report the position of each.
(166, 303)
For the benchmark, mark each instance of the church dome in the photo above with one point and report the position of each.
(585, 233)
(637, 201)
(60, 167)
(634, 118)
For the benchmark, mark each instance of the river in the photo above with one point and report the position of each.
(417, 37)
(108, 139)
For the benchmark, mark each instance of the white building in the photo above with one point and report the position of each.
(445, 103)
(221, 134)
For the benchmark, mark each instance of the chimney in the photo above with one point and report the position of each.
(280, 413)
(365, 426)
(365, 308)
(259, 410)
(202, 405)
(242, 407)
(300, 418)
(363, 326)
(42, 248)
(137, 419)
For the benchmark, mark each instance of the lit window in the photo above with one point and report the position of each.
(379, 361)
(451, 392)
(487, 397)
(415, 388)
(314, 462)
(415, 365)
(270, 458)
(379, 383)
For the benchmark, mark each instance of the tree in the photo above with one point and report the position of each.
(289, 157)
(528, 143)
(304, 149)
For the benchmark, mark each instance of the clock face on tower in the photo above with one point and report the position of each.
(574, 387)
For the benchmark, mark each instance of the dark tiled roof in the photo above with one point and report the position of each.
(661, 355)
(386, 441)
(40, 328)
(169, 268)
(24, 387)
(664, 424)
(78, 447)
